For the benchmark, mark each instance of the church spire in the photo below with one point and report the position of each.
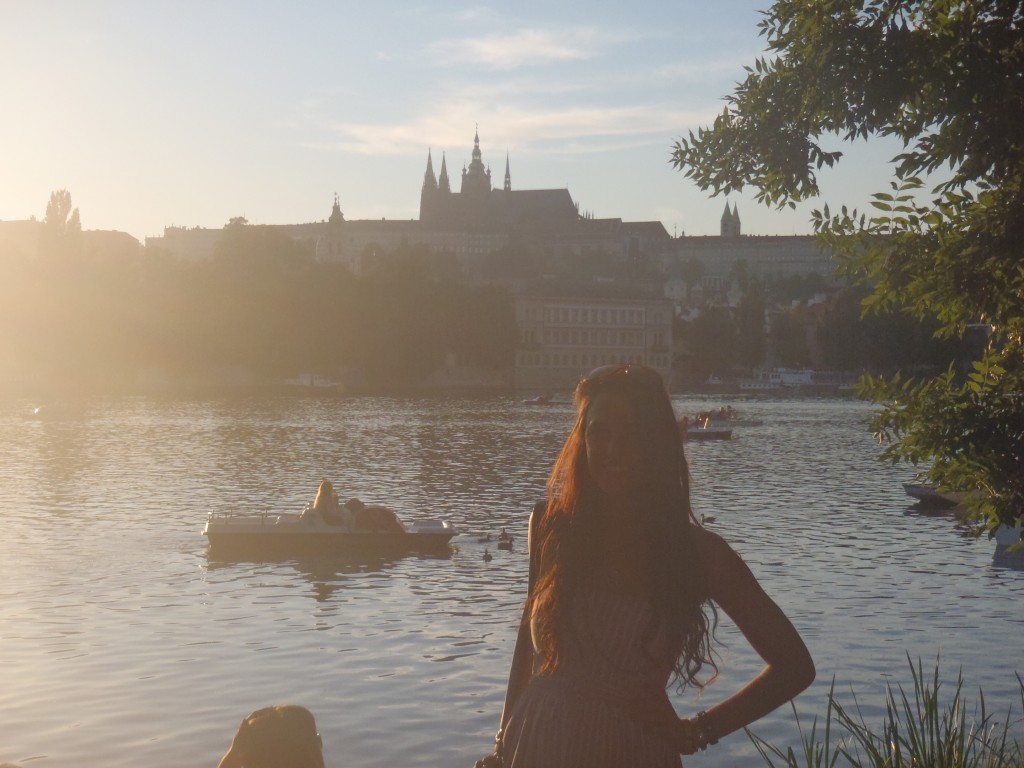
(428, 195)
(508, 177)
(476, 179)
(336, 215)
(442, 183)
(730, 221)
(429, 180)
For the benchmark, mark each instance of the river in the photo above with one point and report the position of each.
(123, 643)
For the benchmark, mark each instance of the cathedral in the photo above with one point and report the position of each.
(480, 206)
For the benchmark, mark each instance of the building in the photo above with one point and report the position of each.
(541, 226)
(564, 337)
(716, 262)
(535, 239)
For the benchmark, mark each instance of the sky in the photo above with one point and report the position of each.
(189, 113)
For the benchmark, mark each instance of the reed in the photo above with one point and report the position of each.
(917, 731)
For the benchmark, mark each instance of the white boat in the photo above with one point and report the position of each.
(710, 432)
(778, 378)
(314, 381)
(373, 529)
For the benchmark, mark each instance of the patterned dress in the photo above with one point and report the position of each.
(576, 717)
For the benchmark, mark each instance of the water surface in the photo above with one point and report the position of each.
(122, 642)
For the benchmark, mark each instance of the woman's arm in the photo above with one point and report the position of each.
(788, 668)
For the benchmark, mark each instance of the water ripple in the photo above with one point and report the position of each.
(123, 641)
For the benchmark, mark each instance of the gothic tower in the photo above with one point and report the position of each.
(476, 180)
(442, 183)
(429, 191)
(730, 225)
(337, 217)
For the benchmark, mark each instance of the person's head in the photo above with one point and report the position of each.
(324, 493)
(627, 433)
(282, 736)
(624, 455)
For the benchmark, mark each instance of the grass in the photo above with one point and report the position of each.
(917, 731)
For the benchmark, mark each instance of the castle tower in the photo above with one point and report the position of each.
(442, 183)
(429, 191)
(476, 180)
(730, 225)
(336, 215)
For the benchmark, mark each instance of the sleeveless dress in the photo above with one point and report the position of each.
(576, 717)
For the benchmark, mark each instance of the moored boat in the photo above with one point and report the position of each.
(708, 432)
(929, 496)
(375, 529)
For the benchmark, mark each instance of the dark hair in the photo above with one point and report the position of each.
(282, 736)
(569, 531)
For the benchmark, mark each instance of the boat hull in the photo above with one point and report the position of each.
(294, 534)
(929, 497)
(708, 433)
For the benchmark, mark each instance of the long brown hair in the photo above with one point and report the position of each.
(569, 531)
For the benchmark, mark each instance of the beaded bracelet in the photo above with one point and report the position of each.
(703, 733)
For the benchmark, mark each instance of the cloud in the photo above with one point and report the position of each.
(572, 130)
(527, 47)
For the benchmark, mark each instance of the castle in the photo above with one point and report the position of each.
(588, 291)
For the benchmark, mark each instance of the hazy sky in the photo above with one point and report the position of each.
(188, 113)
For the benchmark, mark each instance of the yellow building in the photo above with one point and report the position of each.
(562, 338)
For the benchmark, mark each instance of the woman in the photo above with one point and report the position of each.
(623, 589)
(282, 736)
(326, 504)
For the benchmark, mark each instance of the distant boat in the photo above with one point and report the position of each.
(698, 432)
(315, 381)
(929, 496)
(538, 400)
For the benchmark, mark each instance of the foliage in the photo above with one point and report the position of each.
(750, 339)
(261, 307)
(945, 239)
(712, 340)
(789, 338)
(62, 226)
(917, 730)
(883, 342)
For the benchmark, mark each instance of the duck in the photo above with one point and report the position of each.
(487, 555)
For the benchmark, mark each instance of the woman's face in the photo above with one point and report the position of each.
(615, 456)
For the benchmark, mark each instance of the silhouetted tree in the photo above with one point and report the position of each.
(945, 80)
(750, 326)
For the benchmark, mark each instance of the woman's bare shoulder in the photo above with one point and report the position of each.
(718, 560)
(709, 545)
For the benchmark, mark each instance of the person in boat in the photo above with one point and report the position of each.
(373, 518)
(282, 736)
(326, 505)
(624, 592)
